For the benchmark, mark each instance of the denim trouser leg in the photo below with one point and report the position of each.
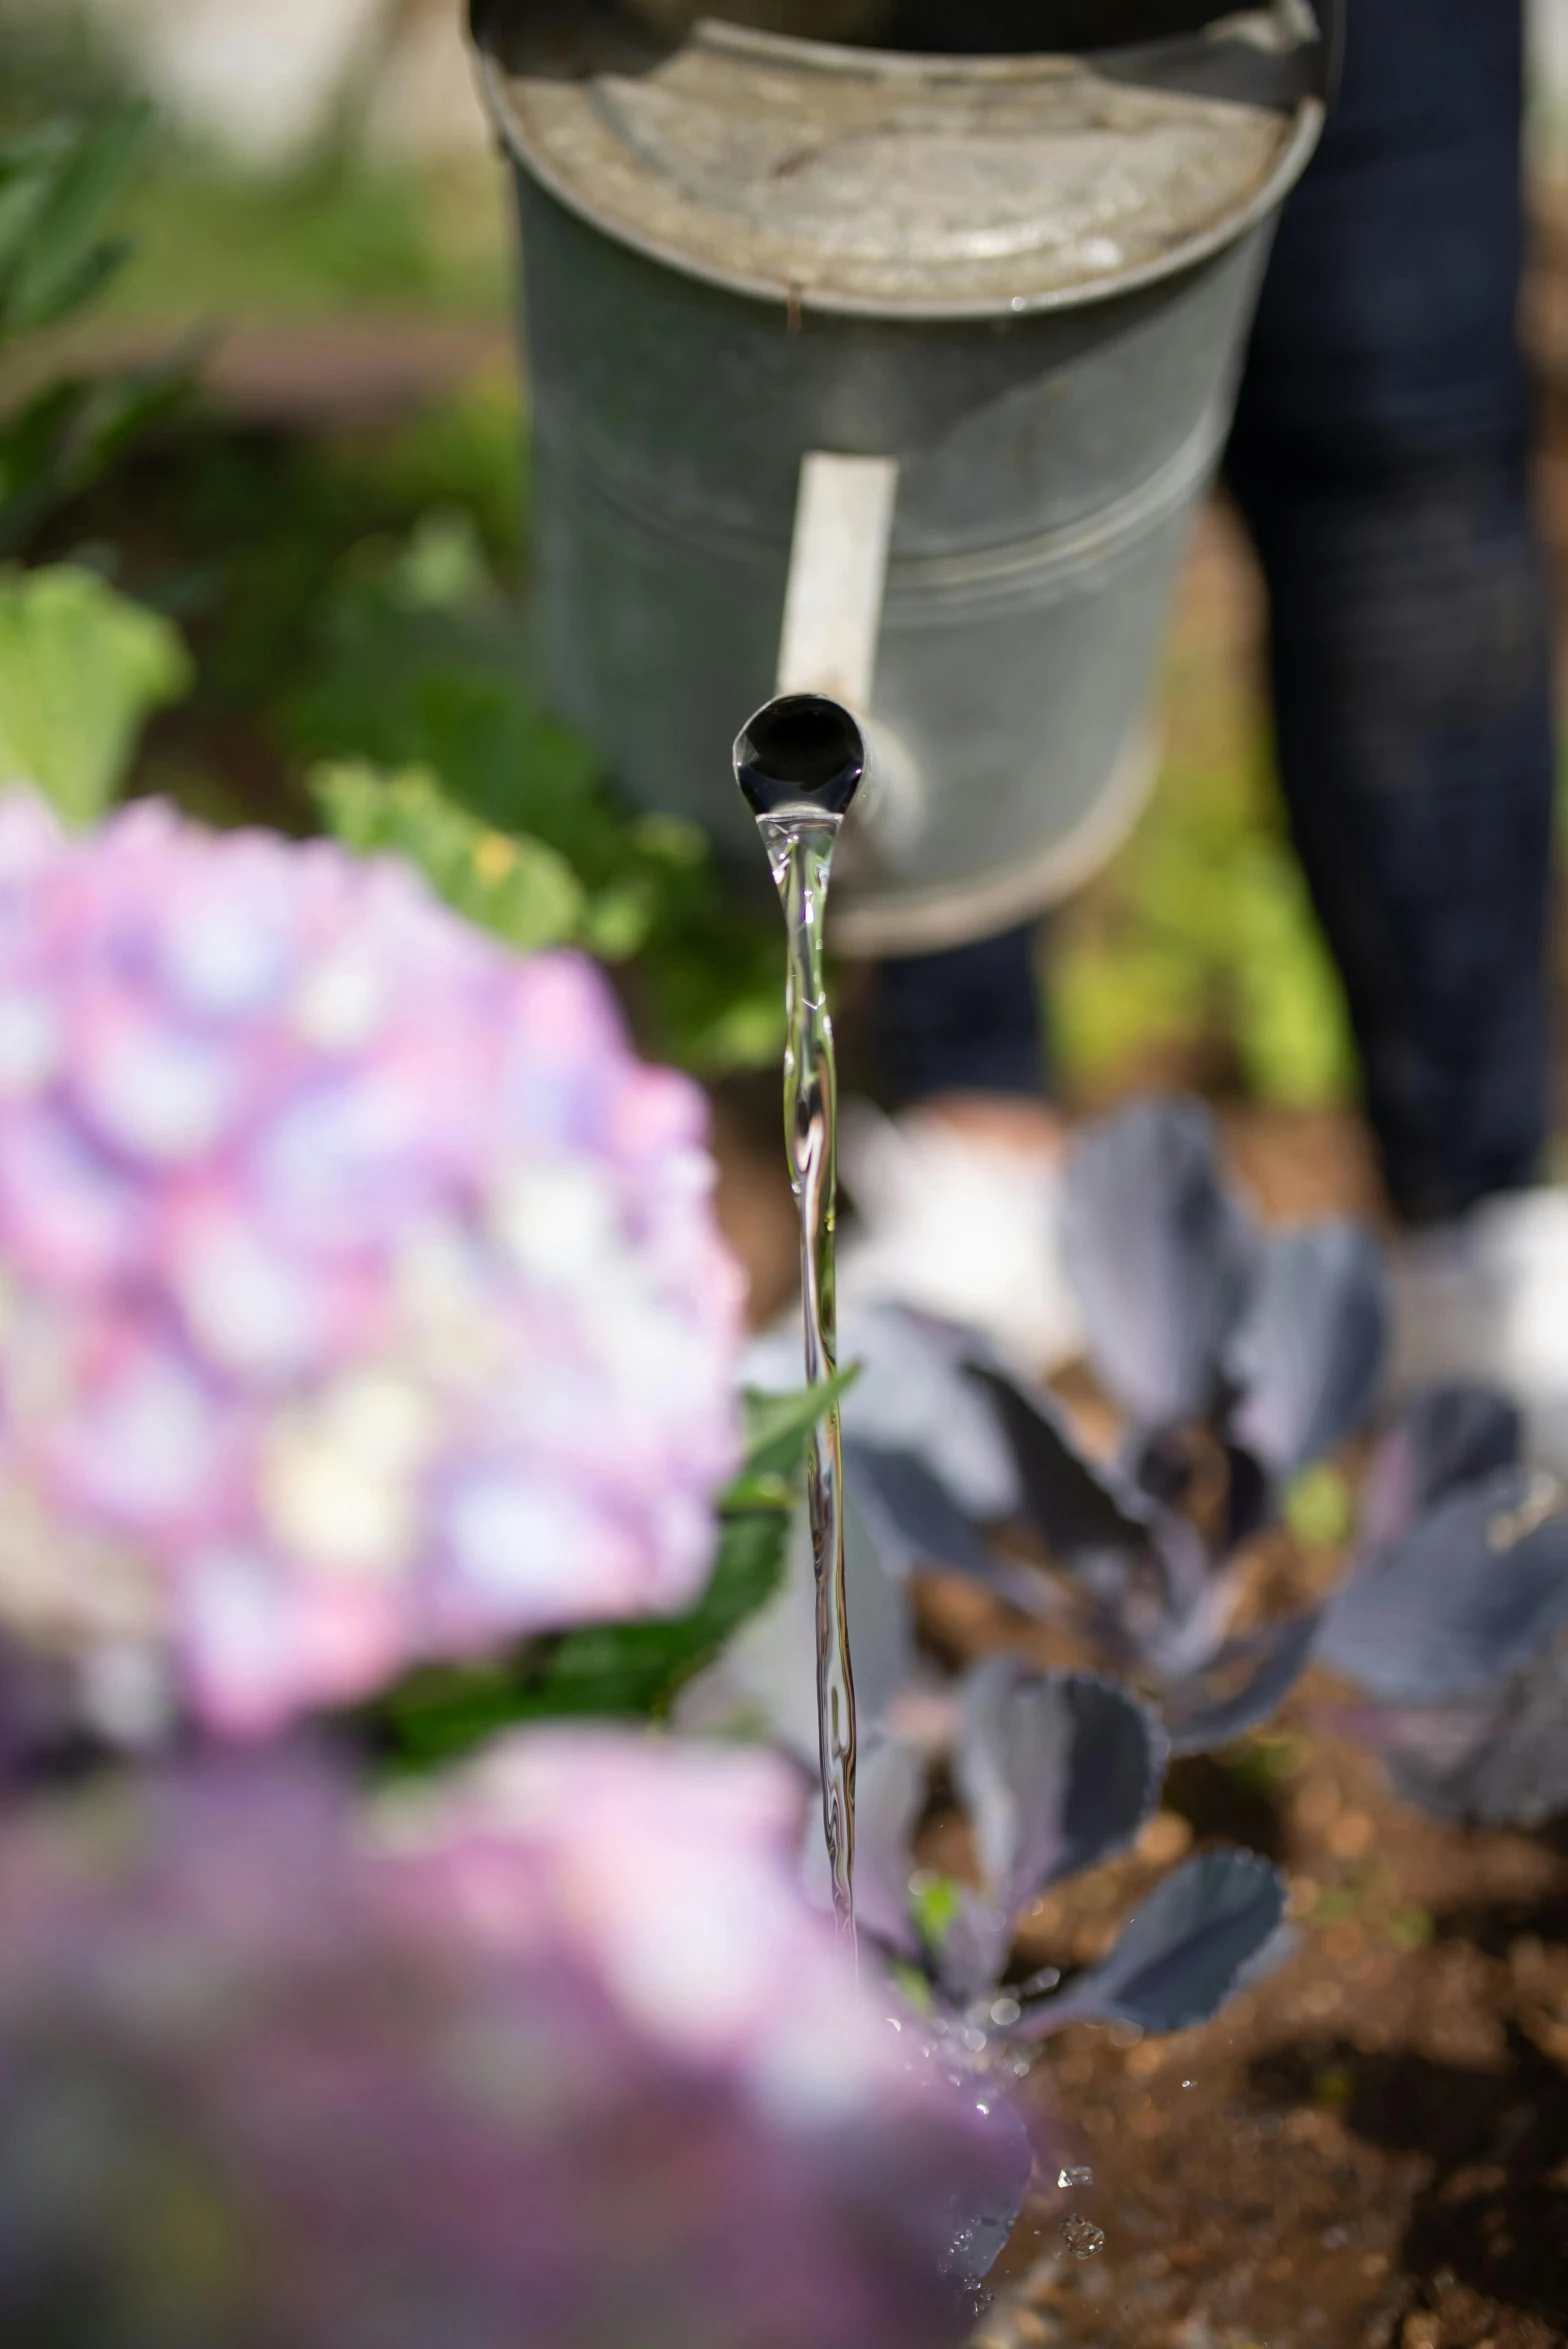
(1380, 459)
(967, 1021)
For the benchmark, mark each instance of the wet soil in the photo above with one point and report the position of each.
(1372, 2147)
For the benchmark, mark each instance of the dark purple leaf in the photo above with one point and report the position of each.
(1144, 1570)
(1076, 1507)
(1442, 1439)
(913, 1518)
(913, 1394)
(890, 1793)
(915, 1524)
(1306, 1354)
(1172, 1466)
(974, 1946)
(1208, 1931)
(1057, 1771)
(1242, 1688)
(1252, 1500)
(1498, 1761)
(1477, 1587)
(1160, 1257)
(984, 2216)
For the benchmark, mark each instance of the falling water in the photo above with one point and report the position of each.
(800, 763)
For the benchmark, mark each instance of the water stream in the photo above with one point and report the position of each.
(799, 764)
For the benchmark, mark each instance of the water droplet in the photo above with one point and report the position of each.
(1005, 2012)
(976, 2042)
(1065, 2178)
(1082, 2237)
(1189, 2083)
(984, 2108)
(1037, 1984)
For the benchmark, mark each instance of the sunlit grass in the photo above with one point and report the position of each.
(1196, 955)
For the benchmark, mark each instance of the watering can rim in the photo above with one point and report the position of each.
(796, 299)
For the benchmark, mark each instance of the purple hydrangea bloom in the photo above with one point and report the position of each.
(361, 1299)
(563, 2060)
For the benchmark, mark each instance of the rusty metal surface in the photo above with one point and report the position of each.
(878, 181)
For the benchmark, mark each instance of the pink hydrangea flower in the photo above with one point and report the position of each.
(361, 1299)
(561, 2059)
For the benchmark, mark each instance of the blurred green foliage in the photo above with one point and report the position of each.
(334, 232)
(506, 882)
(81, 666)
(80, 670)
(419, 657)
(1197, 951)
(58, 185)
(1320, 1507)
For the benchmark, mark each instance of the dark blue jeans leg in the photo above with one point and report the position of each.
(1380, 459)
(965, 1021)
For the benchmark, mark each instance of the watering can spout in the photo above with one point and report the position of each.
(802, 755)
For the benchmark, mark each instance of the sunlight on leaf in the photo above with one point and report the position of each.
(936, 1902)
(1318, 1507)
(81, 669)
(504, 881)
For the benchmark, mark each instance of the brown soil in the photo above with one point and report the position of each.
(1372, 2148)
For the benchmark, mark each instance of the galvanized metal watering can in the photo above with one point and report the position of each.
(882, 348)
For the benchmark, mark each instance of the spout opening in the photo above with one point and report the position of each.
(800, 751)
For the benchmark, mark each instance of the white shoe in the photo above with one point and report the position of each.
(957, 1225)
(1486, 1297)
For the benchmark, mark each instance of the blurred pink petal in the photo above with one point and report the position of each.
(337, 1241)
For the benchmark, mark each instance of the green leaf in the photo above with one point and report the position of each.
(630, 1670)
(1319, 1508)
(616, 1671)
(506, 882)
(54, 191)
(935, 1903)
(777, 1425)
(57, 443)
(81, 669)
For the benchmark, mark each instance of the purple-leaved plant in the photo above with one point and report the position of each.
(1453, 1621)
(556, 2055)
(1236, 1358)
(361, 1299)
(1056, 1772)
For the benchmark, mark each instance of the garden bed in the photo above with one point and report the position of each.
(1372, 2147)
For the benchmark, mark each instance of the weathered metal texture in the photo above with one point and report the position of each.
(1026, 280)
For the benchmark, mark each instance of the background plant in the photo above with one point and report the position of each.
(1453, 1623)
(1056, 1773)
